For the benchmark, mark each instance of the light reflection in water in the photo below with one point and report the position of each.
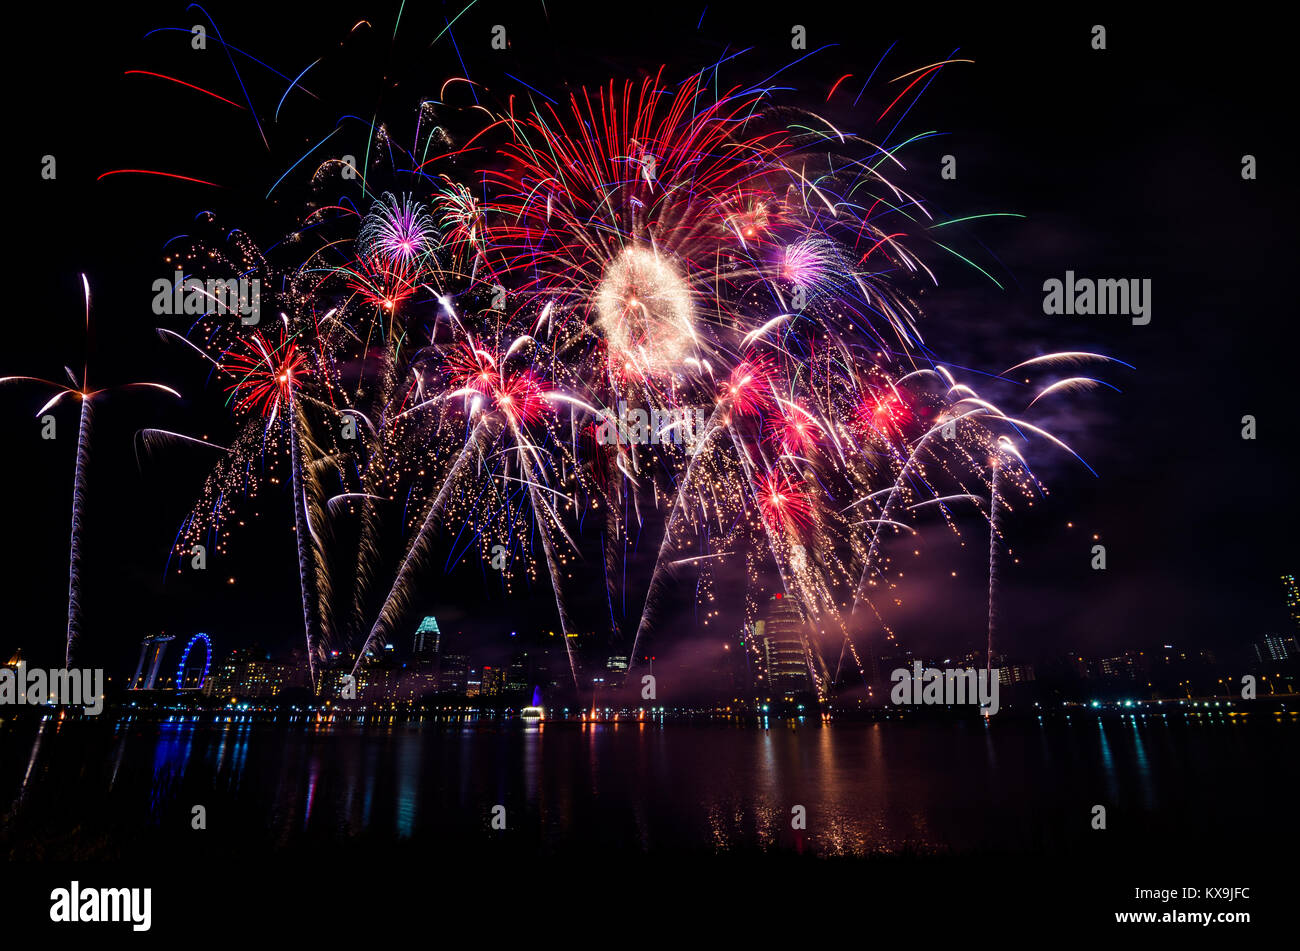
(867, 788)
(313, 775)
(408, 784)
(1143, 767)
(171, 756)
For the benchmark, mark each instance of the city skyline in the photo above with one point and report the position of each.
(774, 667)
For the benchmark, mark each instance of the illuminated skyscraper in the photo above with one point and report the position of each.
(428, 641)
(1274, 647)
(1292, 599)
(247, 673)
(454, 674)
(492, 681)
(783, 657)
(616, 670)
(519, 675)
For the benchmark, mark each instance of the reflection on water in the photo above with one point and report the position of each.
(865, 788)
(1107, 761)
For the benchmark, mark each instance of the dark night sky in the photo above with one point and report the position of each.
(1126, 163)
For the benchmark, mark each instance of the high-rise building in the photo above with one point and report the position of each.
(378, 674)
(247, 673)
(1015, 674)
(781, 642)
(1124, 665)
(1274, 647)
(1292, 599)
(265, 678)
(428, 641)
(519, 673)
(415, 683)
(378, 682)
(227, 673)
(455, 673)
(616, 670)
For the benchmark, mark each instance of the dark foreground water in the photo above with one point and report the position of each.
(91, 789)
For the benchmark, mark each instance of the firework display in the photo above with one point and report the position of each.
(466, 323)
(651, 469)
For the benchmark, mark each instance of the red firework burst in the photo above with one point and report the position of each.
(783, 502)
(795, 430)
(599, 168)
(749, 388)
(384, 282)
(473, 369)
(522, 397)
(749, 215)
(265, 374)
(882, 413)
